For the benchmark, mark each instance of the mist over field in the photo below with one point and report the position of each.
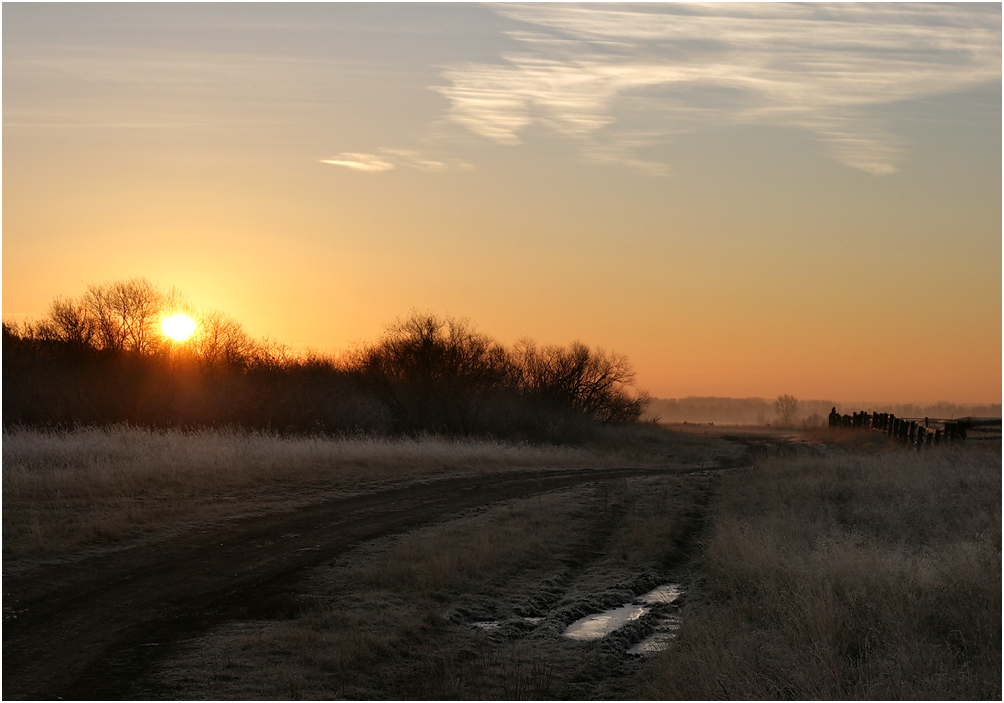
(761, 411)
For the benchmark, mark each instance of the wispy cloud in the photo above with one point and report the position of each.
(591, 72)
(388, 159)
(369, 163)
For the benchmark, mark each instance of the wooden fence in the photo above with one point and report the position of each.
(921, 432)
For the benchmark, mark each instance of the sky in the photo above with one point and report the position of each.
(744, 199)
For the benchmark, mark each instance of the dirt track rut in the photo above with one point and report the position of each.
(91, 629)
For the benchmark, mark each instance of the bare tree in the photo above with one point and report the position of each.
(435, 372)
(139, 305)
(70, 322)
(125, 314)
(596, 383)
(221, 341)
(787, 409)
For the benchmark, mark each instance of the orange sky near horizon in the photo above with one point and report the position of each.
(318, 171)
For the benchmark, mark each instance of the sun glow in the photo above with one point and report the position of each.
(178, 327)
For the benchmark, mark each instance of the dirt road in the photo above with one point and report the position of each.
(92, 628)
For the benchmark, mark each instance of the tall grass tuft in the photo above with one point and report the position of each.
(849, 577)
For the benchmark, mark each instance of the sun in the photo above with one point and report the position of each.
(178, 327)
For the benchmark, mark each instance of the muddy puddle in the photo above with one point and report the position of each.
(602, 624)
(599, 625)
(593, 627)
(669, 593)
(659, 640)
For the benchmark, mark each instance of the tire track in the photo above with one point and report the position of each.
(89, 630)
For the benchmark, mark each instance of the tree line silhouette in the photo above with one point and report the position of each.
(102, 358)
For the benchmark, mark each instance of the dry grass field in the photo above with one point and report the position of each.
(858, 575)
(834, 566)
(864, 572)
(63, 490)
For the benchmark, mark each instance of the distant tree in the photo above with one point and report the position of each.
(435, 372)
(596, 383)
(125, 314)
(787, 409)
(221, 341)
(270, 355)
(70, 322)
(814, 420)
(102, 358)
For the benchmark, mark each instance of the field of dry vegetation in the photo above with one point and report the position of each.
(840, 568)
(65, 489)
(867, 572)
(470, 608)
(850, 576)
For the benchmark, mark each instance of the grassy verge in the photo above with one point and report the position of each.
(861, 575)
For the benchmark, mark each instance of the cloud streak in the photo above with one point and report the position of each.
(368, 163)
(591, 72)
(389, 159)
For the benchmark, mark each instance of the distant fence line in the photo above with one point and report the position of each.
(921, 431)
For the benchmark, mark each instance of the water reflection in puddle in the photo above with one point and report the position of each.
(593, 627)
(663, 594)
(665, 633)
(602, 624)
